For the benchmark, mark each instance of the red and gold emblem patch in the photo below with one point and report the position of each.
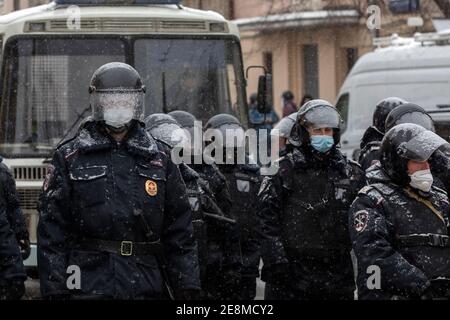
(151, 187)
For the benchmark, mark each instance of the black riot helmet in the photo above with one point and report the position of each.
(288, 96)
(253, 98)
(165, 128)
(229, 126)
(318, 114)
(409, 113)
(185, 119)
(284, 129)
(117, 95)
(383, 108)
(285, 125)
(407, 142)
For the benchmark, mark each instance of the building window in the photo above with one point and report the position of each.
(268, 64)
(352, 57)
(404, 6)
(268, 61)
(16, 5)
(311, 70)
(34, 3)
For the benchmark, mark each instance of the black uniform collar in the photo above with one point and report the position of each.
(138, 142)
(371, 135)
(376, 174)
(305, 157)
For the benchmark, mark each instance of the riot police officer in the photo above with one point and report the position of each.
(399, 224)
(370, 143)
(412, 113)
(211, 226)
(114, 205)
(303, 208)
(224, 269)
(9, 200)
(12, 274)
(405, 113)
(440, 162)
(244, 182)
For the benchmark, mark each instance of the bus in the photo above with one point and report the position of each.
(189, 60)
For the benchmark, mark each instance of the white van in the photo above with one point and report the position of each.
(415, 69)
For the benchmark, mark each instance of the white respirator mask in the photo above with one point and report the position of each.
(422, 180)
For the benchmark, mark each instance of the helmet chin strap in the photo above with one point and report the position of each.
(117, 131)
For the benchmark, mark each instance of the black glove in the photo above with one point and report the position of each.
(12, 290)
(231, 283)
(187, 294)
(25, 248)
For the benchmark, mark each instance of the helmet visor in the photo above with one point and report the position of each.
(422, 146)
(117, 108)
(418, 118)
(322, 117)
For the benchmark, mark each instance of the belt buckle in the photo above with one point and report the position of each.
(126, 248)
(436, 240)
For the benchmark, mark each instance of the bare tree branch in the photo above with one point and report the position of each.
(444, 5)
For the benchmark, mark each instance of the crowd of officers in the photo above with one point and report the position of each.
(138, 226)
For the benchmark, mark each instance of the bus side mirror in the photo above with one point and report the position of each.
(265, 93)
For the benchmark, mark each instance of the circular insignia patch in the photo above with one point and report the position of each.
(151, 187)
(360, 220)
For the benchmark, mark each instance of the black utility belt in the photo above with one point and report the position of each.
(123, 248)
(424, 240)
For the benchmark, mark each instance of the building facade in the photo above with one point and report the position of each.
(7, 6)
(311, 45)
(308, 45)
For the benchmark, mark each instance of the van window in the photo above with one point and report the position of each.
(443, 129)
(427, 94)
(342, 106)
(311, 70)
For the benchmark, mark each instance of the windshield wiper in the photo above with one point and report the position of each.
(164, 93)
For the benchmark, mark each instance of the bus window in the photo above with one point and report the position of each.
(201, 76)
(46, 90)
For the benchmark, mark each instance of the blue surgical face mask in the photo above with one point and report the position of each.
(322, 144)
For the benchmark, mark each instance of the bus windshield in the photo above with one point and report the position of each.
(45, 83)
